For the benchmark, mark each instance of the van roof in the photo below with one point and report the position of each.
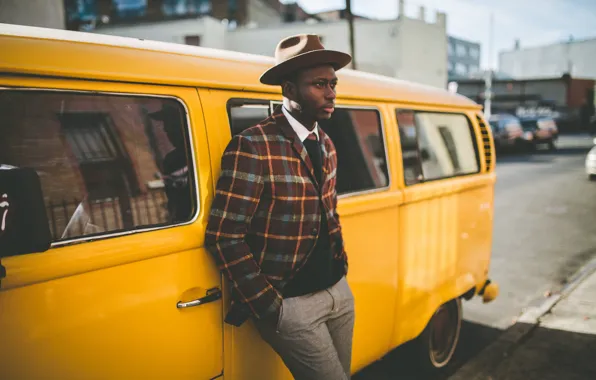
(54, 52)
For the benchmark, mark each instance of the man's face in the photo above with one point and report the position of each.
(315, 93)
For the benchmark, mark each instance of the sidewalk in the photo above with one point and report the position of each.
(554, 341)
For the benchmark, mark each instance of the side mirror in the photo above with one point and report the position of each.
(24, 224)
(424, 155)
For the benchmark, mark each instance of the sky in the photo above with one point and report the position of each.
(533, 22)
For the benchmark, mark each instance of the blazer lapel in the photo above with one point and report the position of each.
(324, 156)
(298, 147)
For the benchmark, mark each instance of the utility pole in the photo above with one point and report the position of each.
(350, 18)
(488, 80)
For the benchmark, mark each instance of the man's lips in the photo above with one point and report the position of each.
(329, 108)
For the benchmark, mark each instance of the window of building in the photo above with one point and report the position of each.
(450, 66)
(474, 69)
(194, 40)
(450, 49)
(107, 163)
(461, 69)
(474, 52)
(461, 50)
(436, 145)
(358, 138)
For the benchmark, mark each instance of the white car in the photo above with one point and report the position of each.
(591, 163)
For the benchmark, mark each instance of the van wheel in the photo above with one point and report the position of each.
(437, 343)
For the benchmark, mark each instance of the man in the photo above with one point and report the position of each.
(274, 228)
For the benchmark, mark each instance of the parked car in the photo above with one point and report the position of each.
(543, 129)
(591, 162)
(508, 132)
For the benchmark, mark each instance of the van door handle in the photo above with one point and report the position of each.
(212, 295)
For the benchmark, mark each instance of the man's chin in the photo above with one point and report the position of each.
(324, 115)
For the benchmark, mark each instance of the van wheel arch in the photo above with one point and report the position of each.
(434, 348)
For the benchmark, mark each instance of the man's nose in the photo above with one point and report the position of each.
(330, 93)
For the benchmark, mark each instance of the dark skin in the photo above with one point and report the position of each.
(310, 95)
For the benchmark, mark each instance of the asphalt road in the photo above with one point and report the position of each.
(544, 231)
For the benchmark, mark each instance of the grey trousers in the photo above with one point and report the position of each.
(314, 333)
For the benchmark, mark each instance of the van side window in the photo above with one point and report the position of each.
(244, 114)
(408, 135)
(361, 159)
(445, 145)
(107, 163)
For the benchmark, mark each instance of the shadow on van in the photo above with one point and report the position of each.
(474, 337)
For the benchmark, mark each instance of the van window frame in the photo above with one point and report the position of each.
(474, 137)
(275, 103)
(195, 194)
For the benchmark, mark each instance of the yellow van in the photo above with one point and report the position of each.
(111, 149)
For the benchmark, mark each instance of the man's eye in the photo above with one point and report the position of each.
(333, 85)
(320, 84)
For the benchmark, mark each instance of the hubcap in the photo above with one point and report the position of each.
(444, 334)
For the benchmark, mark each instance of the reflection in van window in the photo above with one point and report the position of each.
(106, 163)
(361, 158)
(445, 146)
(409, 147)
(243, 116)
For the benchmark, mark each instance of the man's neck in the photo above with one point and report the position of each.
(308, 124)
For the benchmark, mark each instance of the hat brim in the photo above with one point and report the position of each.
(276, 75)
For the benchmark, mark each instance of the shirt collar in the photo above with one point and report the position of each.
(300, 129)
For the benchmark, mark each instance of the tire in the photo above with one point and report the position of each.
(434, 348)
(551, 145)
(592, 177)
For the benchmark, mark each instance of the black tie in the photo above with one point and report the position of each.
(314, 151)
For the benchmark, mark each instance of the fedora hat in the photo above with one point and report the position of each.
(300, 52)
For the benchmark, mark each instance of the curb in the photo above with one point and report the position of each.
(480, 367)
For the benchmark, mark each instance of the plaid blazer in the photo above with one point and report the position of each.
(266, 214)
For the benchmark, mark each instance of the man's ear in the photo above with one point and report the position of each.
(289, 90)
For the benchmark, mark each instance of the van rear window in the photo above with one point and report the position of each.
(107, 163)
(436, 145)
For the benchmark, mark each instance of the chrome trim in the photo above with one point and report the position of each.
(62, 243)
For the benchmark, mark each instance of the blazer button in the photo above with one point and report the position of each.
(314, 232)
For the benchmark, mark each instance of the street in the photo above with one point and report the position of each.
(545, 217)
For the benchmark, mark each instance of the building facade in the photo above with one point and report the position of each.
(406, 48)
(463, 58)
(43, 13)
(575, 58)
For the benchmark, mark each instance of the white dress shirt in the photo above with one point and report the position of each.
(297, 126)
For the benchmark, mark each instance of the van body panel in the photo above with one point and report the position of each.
(108, 305)
(176, 64)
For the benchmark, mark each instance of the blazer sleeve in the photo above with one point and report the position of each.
(237, 195)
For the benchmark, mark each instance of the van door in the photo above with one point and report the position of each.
(127, 290)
